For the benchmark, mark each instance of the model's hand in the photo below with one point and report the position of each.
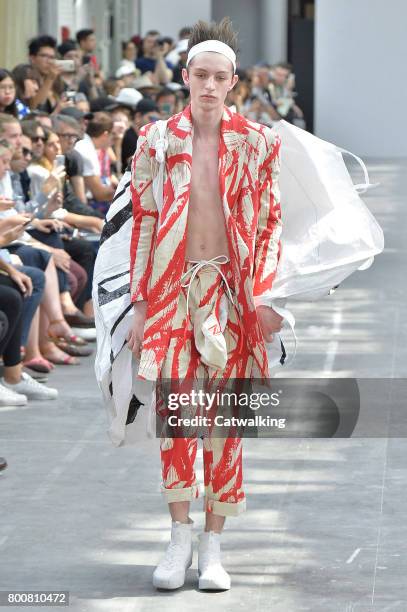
(135, 335)
(270, 322)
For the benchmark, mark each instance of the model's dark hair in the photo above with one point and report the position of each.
(222, 31)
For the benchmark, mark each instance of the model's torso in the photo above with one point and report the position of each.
(206, 230)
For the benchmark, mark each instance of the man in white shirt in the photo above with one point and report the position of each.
(98, 136)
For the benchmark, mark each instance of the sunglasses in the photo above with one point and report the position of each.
(27, 152)
(71, 136)
(38, 138)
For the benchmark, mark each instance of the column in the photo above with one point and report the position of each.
(273, 30)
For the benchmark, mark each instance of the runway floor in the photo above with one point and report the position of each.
(325, 526)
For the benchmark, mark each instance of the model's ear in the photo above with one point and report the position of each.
(235, 79)
(185, 77)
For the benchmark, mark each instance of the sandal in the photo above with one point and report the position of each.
(68, 360)
(69, 338)
(58, 357)
(39, 364)
(74, 350)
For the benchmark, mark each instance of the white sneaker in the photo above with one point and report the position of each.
(212, 576)
(87, 333)
(9, 398)
(170, 572)
(31, 388)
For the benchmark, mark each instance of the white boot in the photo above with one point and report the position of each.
(170, 572)
(211, 574)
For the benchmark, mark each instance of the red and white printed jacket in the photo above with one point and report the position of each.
(249, 166)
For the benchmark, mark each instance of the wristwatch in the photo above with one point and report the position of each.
(59, 214)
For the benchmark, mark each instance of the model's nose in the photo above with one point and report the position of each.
(210, 83)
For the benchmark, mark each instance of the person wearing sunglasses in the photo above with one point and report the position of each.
(69, 132)
(21, 182)
(34, 130)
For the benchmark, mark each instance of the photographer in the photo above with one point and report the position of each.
(153, 60)
(42, 53)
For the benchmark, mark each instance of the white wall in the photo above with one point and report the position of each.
(169, 17)
(360, 72)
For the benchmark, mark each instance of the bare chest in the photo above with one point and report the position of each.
(205, 174)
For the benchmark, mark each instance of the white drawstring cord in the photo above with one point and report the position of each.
(362, 187)
(198, 265)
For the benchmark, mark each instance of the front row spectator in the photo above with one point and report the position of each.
(98, 137)
(16, 386)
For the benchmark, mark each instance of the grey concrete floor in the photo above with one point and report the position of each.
(324, 529)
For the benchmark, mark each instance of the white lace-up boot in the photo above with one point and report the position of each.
(212, 576)
(170, 572)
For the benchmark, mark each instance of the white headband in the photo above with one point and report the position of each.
(213, 45)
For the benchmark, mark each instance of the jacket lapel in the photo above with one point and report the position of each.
(232, 146)
(232, 158)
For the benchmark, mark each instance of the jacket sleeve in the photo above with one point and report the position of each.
(267, 247)
(145, 219)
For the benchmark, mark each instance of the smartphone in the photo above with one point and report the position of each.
(66, 65)
(60, 160)
(70, 95)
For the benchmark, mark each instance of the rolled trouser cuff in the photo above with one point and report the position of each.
(224, 508)
(181, 493)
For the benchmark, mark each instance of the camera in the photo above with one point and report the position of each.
(66, 65)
